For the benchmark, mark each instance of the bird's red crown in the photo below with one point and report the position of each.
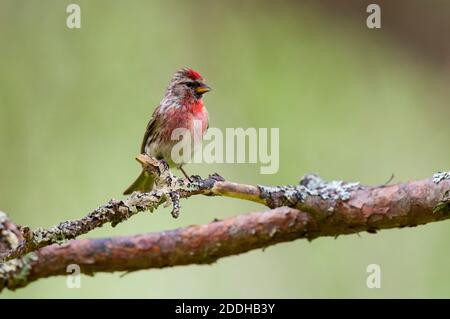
(194, 75)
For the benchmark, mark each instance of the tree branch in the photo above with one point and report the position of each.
(310, 209)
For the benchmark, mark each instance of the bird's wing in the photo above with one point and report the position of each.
(150, 130)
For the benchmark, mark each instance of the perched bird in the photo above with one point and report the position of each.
(181, 107)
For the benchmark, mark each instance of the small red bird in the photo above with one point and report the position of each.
(181, 106)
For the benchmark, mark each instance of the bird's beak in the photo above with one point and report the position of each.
(203, 88)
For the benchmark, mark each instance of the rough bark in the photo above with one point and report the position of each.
(311, 209)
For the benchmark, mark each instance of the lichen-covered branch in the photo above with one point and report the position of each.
(310, 209)
(169, 189)
(202, 244)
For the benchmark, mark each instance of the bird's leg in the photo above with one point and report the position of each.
(185, 174)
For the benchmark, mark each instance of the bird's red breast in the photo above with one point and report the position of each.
(197, 107)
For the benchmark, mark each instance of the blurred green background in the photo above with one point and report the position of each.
(351, 103)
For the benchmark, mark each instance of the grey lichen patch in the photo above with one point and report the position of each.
(310, 185)
(8, 238)
(444, 205)
(168, 189)
(137, 202)
(440, 176)
(277, 196)
(335, 190)
(13, 273)
(56, 234)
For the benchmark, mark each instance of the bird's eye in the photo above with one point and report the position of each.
(191, 84)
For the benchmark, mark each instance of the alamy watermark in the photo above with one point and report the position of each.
(74, 279)
(73, 20)
(373, 21)
(237, 145)
(374, 279)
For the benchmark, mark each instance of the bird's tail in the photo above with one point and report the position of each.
(144, 183)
